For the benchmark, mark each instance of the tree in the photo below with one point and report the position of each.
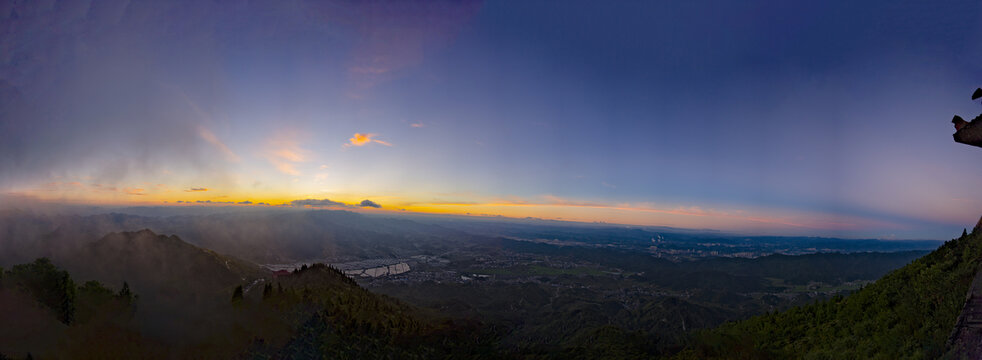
(237, 294)
(66, 309)
(267, 291)
(48, 285)
(125, 293)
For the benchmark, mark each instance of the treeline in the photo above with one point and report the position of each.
(55, 289)
(339, 319)
(316, 312)
(65, 316)
(909, 313)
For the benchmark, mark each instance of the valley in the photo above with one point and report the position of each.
(587, 288)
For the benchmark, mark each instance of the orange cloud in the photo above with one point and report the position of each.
(289, 155)
(284, 154)
(286, 168)
(196, 189)
(417, 125)
(134, 191)
(360, 139)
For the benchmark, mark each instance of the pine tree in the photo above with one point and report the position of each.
(125, 293)
(964, 232)
(237, 294)
(67, 307)
(267, 291)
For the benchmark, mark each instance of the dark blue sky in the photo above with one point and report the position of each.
(818, 118)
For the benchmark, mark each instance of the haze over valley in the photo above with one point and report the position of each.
(469, 179)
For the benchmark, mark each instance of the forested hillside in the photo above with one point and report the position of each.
(909, 313)
(199, 311)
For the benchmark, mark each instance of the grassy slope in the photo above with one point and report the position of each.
(909, 313)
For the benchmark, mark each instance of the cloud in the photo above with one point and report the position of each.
(262, 203)
(369, 203)
(210, 137)
(286, 168)
(393, 37)
(134, 191)
(417, 125)
(360, 139)
(316, 203)
(196, 189)
(247, 202)
(285, 153)
(212, 202)
(68, 70)
(556, 200)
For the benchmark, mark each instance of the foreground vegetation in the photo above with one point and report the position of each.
(315, 312)
(909, 313)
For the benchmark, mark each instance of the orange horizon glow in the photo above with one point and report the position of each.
(546, 207)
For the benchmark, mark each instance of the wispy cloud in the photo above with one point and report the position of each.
(360, 139)
(196, 189)
(417, 125)
(285, 153)
(394, 38)
(210, 137)
(134, 191)
(285, 167)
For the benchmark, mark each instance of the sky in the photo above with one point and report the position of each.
(826, 118)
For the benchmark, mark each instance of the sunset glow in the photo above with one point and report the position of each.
(440, 109)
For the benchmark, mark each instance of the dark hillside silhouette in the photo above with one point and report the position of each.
(969, 133)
